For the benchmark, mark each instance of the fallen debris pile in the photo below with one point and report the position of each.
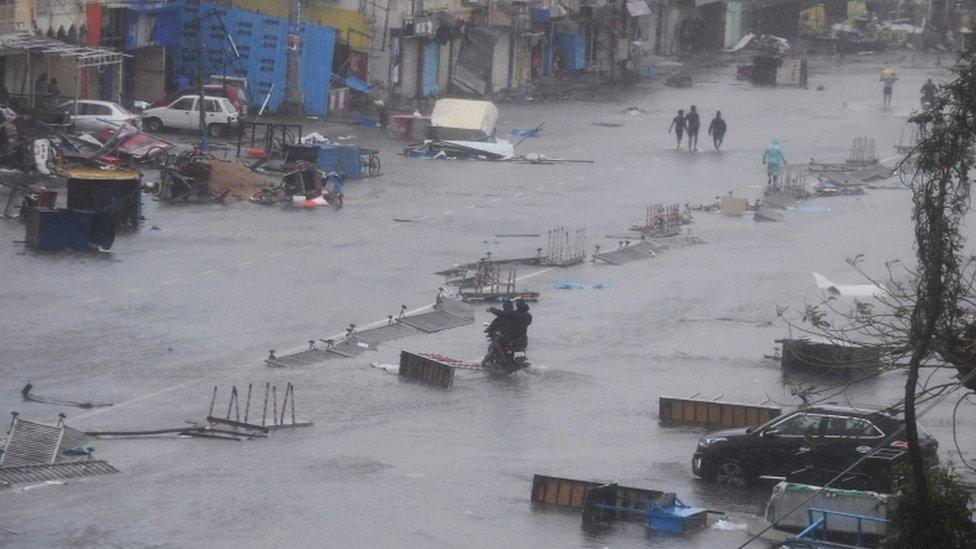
(241, 181)
(225, 428)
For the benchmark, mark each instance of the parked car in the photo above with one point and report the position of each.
(827, 437)
(94, 116)
(234, 93)
(184, 114)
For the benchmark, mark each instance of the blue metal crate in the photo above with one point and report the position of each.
(349, 161)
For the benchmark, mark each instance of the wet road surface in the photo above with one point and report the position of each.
(171, 313)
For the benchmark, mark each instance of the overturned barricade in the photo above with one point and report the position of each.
(488, 286)
(604, 503)
(663, 220)
(863, 154)
(38, 452)
(283, 420)
(233, 425)
(714, 413)
(563, 248)
(445, 314)
(625, 252)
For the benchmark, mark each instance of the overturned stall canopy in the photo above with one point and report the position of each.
(83, 56)
(463, 119)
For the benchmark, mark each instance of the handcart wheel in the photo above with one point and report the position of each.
(374, 165)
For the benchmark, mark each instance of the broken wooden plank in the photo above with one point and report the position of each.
(714, 413)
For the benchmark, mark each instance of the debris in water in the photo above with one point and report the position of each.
(27, 393)
(728, 526)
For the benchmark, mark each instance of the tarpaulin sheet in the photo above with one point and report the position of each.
(352, 82)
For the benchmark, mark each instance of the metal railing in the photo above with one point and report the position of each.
(270, 136)
(820, 524)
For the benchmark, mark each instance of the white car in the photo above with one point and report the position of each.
(184, 114)
(94, 116)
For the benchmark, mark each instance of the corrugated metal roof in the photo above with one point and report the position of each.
(32, 443)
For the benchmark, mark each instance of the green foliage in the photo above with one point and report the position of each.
(943, 521)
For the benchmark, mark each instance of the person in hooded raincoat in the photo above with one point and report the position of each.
(775, 161)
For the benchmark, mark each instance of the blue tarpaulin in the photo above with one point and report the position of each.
(570, 50)
(352, 82)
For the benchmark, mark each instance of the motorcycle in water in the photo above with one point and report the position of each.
(927, 102)
(505, 356)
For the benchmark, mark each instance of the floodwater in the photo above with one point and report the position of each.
(173, 312)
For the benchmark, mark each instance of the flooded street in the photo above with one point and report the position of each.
(170, 313)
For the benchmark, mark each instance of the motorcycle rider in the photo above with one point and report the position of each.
(501, 333)
(522, 319)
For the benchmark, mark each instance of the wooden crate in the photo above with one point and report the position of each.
(426, 369)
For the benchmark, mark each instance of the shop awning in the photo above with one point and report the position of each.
(85, 56)
(638, 8)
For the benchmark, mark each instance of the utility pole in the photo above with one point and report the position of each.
(293, 93)
(200, 107)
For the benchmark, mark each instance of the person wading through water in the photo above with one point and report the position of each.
(716, 129)
(692, 123)
(678, 123)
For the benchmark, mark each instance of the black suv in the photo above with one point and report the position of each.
(825, 437)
